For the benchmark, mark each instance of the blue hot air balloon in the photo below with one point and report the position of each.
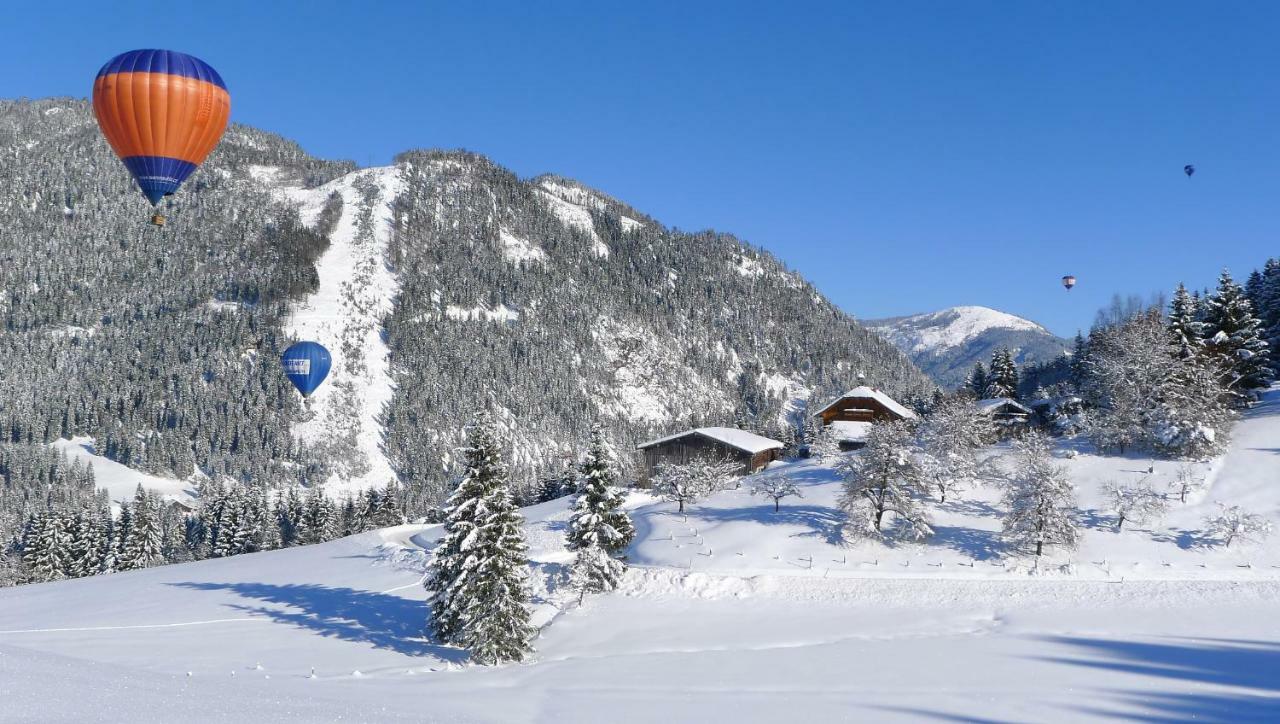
(306, 364)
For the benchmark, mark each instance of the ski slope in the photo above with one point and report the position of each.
(345, 314)
(730, 613)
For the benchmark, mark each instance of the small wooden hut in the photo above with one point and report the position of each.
(752, 450)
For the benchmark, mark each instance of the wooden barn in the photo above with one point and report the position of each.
(1010, 416)
(752, 450)
(864, 404)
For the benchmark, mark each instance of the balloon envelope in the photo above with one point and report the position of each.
(1068, 281)
(162, 112)
(1188, 169)
(306, 364)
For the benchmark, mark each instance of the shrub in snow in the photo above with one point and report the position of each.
(1138, 503)
(594, 571)
(883, 478)
(949, 438)
(694, 480)
(823, 444)
(477, 575)
(1232, 523)
(1040, 502)
(1186, 483)
(777, 488)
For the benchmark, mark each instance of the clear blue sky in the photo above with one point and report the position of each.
(903, 156)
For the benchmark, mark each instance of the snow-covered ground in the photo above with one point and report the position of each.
(121, 481)
(730, 613)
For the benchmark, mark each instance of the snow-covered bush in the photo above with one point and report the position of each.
(1040, 501)
(885, 478)
(1138, 503)
(776, 487)
(949, 438)
(690, 482)
(1233, 523)
(1186, 483)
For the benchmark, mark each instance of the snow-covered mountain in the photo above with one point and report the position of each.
(441, 284)
(947, 343)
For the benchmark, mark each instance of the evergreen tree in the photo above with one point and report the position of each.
(977, 382)
(1079, 361)
(46, 547)
(1187, 330)
(1234, 333)
(1268, 309)
(143, 545)
(477, 574)
(1002, 380)
(598, 518)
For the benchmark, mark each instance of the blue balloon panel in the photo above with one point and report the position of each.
(306, 364)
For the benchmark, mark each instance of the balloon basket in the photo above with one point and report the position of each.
(158, 220)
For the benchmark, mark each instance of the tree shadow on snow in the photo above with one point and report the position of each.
(1184, 664)
(382, 620)
(975, 544)
(822, 522)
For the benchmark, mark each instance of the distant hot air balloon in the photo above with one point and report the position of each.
(306, 364)
(1188, 169)
(1068, 281)
(162, 112)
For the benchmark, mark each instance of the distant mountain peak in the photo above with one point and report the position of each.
(946, 343)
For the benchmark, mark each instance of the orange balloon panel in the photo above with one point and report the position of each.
(163, 113)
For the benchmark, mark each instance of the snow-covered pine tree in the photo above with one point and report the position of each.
(977, 382)
(1268, 309)
(143, 546)
(1002, 380)
(1039, 499)
(1233, 332)
(319, 517)
(885, 477)
(386, 510)
(1187, 330)
(598, 518)
(46, 546)
(89, 544)
(290, 512)
(477, 575)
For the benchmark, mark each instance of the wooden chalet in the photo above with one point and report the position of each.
(852, 414)
(752, 450)
(1010, 416)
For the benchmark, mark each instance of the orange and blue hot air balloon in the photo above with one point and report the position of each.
(162, 112)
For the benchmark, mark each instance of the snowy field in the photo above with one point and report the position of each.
(730, 613)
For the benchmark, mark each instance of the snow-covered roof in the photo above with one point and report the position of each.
(850, 431)
(731, 436)
(872, 393)
(996, 403)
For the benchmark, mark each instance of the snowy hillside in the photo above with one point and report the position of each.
(946, 344)
(440, 284)
(731, 612)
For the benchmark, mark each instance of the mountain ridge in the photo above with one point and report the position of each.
(464, 286)
(948, 342)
